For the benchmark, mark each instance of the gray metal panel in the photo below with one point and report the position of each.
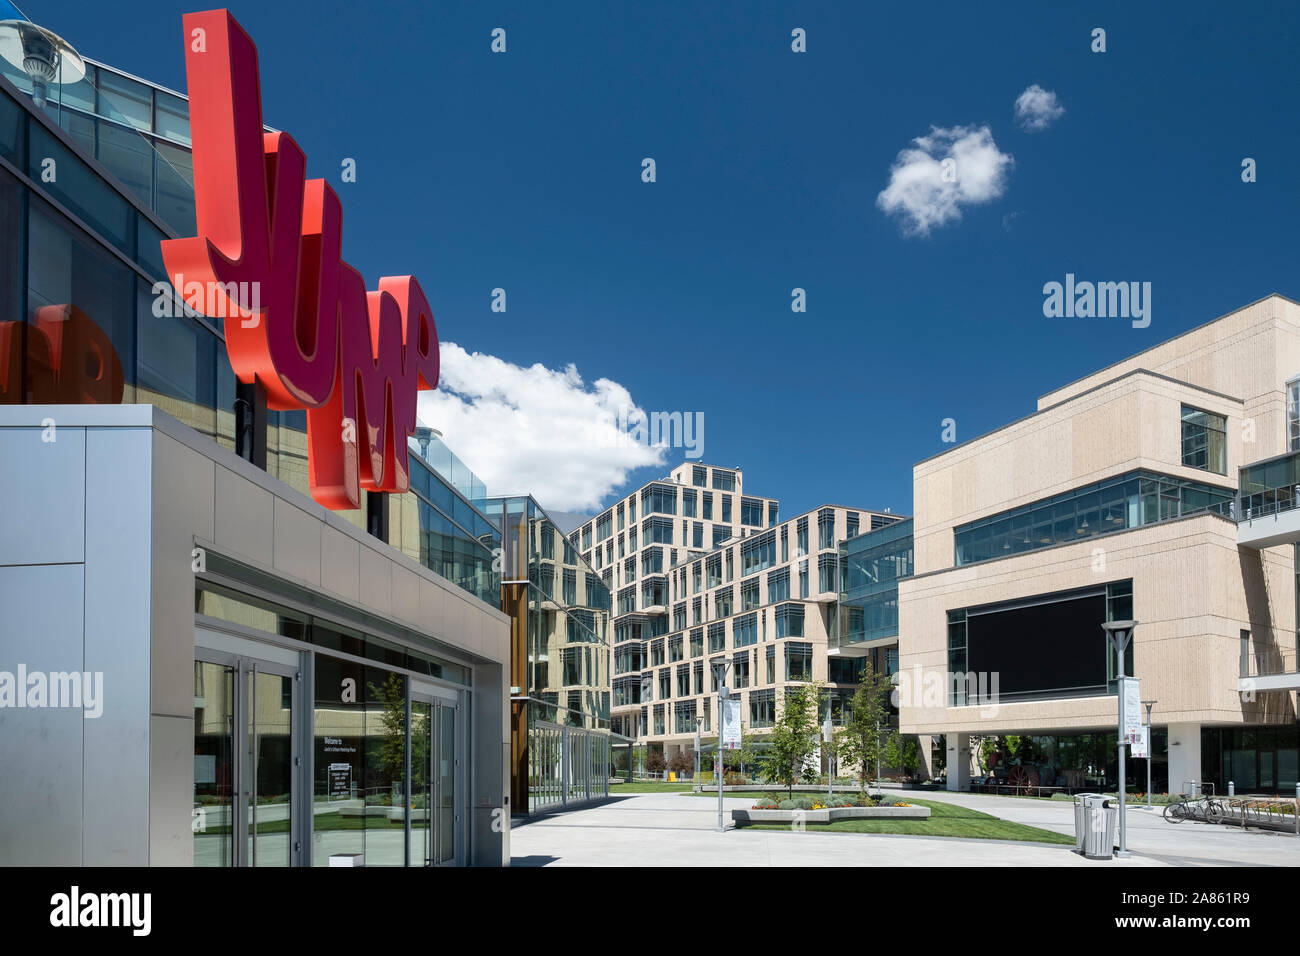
(340, 561)
(171, 790)
(119, 545)
(42, 485)
(297, 543)
(245, 517)
(183, 489)
(41, 750)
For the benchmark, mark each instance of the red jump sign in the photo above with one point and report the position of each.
(268, 257)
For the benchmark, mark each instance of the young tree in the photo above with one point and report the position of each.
(859, 740)
(794, 737)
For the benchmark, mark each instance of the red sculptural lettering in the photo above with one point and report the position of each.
(318, 339)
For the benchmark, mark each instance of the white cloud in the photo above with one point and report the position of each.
(925, 192)
(535, 430)
(1037, 109)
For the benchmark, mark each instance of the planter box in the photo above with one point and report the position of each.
(742, 817)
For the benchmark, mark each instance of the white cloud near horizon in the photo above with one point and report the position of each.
(1037, 108)
(923, 197)
(535, 430)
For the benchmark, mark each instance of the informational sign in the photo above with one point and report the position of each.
(731, 723)
(1140, 743)
(339, 776)
(205, 768)
(1130, 707)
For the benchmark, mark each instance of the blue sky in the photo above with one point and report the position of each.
(522, 171)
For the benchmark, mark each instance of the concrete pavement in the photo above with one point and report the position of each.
(668, 829)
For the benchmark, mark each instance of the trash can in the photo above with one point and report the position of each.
(1094, 826)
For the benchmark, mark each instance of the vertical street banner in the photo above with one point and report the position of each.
(731, 723)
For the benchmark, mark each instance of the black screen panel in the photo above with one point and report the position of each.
(1043, 647)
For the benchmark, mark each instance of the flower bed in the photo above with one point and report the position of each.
(762, 812)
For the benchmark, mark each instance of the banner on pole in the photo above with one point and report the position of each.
(731, 723)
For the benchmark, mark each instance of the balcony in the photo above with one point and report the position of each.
(1268, 668)
(1267, 509)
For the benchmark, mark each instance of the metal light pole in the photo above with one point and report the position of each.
(1151, 749)
(699, 721)
(827, 730)
(1120, 632)
(720, 669)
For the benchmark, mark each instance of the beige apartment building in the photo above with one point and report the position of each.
(1161, 489)
(703, 573)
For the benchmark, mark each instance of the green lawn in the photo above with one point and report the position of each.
(648, 786)
(946, 819)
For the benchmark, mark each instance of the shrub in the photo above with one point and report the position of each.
(733, 779)
(797, 803)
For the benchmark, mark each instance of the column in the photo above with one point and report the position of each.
(1184, 755)
(958, 761)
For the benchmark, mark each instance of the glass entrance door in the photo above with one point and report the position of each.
(267, 777)
(437, 815)
(246, 757)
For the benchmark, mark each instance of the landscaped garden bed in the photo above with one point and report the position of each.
(807, 810)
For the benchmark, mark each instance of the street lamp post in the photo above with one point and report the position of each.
(1151, 746)
(699, 721)
(1120, 633)
(720, 669)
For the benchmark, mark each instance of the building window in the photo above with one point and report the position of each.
(825, 528)
(684, 717)
(798, 661)
(688, 503)
(751, 512)
(697, 642)
(697, 611)
(727, 565)
(684, 682)
(757, 553)
(724, 480)
(715, 669)
(697, 670)
(604, 526)
(744, 632)
(772, 513)
(679, 616)
(721, 533)
(726, 509)
(657, 530)
(659, 499)
(778, 585)
(652, 561)
(706, 502)
(654, 592)
(1293, 415)
(713, 571)
(785, 545)
(740, 669)
(801, 538)
(771, 664)
(697, 534)
(665, 683)
(659, 719)
(631, 539)
(699, 476)
(828, 572)
(722, 606)
(749, 595)
(675, 652)
(851, 523)
(621, 516)
(956, 658)
(1116, 504)
(789, 620)
(762, 708)
(1205, 440)
(656, 653)
(708, 723)
(803, 579)
(717, 637)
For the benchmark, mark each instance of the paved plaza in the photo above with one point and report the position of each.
(669, 829)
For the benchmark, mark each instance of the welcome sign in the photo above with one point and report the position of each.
(268, 258)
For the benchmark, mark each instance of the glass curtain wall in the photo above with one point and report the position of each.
(1116, 504)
